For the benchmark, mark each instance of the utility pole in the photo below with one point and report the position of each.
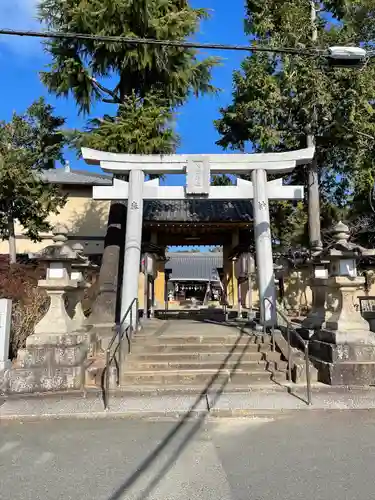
(313, 175)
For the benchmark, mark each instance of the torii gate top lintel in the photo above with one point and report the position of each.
(274, 163)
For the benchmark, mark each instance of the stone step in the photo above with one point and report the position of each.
(193, 377)
(173, 361)
(172, 357)
(203, 339)
(278, 383)
(197, 348)
(237, 365)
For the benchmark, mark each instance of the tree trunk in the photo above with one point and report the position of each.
(313, 175)
(105, 309)
(314, 207)
(12, 241)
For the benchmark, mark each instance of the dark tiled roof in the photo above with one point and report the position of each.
(198, 211)
(78, 177)
(194, 266)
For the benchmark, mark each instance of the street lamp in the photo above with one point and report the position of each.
(344, 57)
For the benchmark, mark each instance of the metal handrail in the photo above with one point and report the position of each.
(272, 329)
(305, 343)
(119, 334)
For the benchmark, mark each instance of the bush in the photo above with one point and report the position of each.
(18, 282)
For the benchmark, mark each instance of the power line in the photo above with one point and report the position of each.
(167, 43)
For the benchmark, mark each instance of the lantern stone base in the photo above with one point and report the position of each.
(346, 364)
(343, 350)
(35, 380)
(56, 365)
(317, 316)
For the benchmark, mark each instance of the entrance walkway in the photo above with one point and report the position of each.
(192, 355)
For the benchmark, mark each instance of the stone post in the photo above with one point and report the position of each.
(133, 241)
(105, 308)
(76, 296)
(5, 325)
(80, 323)
(263, 245)
(226, 274)
(152, 301)
(146, 285)
(79, 320)
(239, 299)
(318, 284)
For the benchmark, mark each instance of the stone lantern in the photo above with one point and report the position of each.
(344, 346)
(59, 259)
(55, 357)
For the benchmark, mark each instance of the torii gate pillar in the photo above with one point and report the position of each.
(133, 241)
(199, 169)
(263, 246)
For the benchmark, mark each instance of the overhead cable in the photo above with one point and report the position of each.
(167, 43)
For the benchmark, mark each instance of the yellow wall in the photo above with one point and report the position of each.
(141, 291)
(230, 280)
(160, 285)
(83, 216)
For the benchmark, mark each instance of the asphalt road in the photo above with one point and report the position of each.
(300, 455)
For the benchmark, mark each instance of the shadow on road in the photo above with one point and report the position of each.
(168, 440)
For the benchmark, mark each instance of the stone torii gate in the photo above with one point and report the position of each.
(198, 169)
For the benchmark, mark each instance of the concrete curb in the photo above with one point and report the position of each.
(183, 406)
(167, 415)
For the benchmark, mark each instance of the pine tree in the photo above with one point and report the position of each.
(110, 72)
(222, 180)
(279, 99)
(140, 125)
(29, 144)
(142, 84)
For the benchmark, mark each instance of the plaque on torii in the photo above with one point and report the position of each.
(198, 170)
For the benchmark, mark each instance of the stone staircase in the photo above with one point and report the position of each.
(195, 356)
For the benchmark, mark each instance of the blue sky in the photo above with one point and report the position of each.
(22, 58)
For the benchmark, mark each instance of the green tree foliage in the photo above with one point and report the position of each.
(141, 125)
(148, 79)
(221, 180)
(279, 99)
(29, 144)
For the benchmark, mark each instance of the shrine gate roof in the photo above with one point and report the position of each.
(198, 210)
(202, 266)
